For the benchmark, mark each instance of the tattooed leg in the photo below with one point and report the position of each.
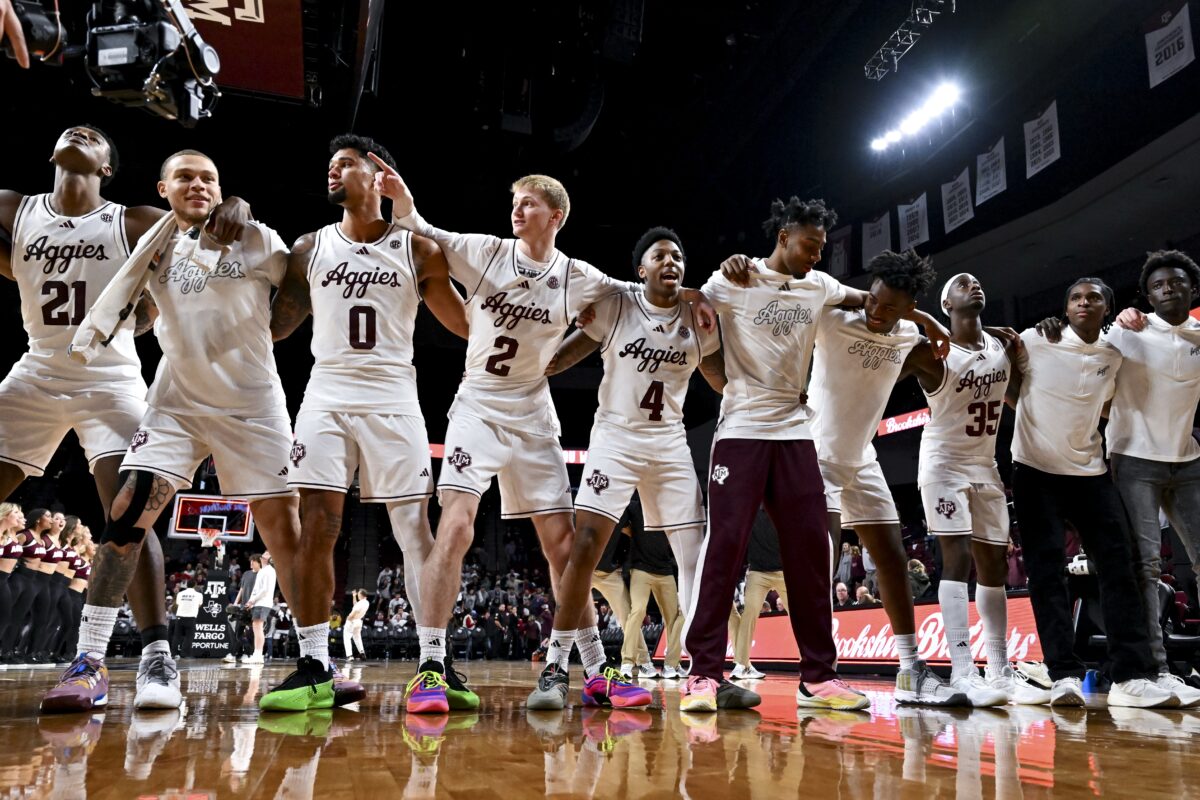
(147, 590)
(115, 564)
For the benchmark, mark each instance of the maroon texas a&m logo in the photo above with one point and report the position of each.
(460, 459)
(139, 438)
(299, 451)
(946, 508)
(598, 481)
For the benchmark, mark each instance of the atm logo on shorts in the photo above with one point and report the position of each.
(140, 437)
(946, 508)
(598, 481)
(460, 459)
(298, 453)
(720, 473)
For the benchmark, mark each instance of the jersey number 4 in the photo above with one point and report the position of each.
(653, 401)
(986, 418)
(62, 294)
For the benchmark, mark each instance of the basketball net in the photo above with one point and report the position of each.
(210, 537)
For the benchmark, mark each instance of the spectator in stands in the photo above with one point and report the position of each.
(918, 579)
(845, 566)
(261, 601)
(383, 584)
(863, 598)
(186, 608)
(869, 566)
(1016, 567)
(842, 595)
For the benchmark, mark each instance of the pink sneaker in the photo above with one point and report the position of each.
(835, 694)
(609, 688)
(699, 694)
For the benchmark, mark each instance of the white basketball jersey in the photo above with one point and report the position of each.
(364, 304)
(959, 443)
(854, 370)
(649, 356)
(214, 327)
(61, 265)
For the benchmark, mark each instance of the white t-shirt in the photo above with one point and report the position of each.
(364, 306)
(214, 328)
(518, 310)
(61, 265)
(854, 370)
(359, 610)
(1157, 391)
(264, 588)
(649, 356)
(767, 330)
(1064, 389)
(188, 604)
(959, 443)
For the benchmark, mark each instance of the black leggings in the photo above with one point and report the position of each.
(32, 587)
(42, 614)
(58, 616)
(69, 647)
(6, 600)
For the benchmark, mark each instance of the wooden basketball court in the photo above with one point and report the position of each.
(220, 746)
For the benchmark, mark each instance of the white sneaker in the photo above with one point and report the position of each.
(230, 658)
(157, 683)
(647, 670)
(1067, 692)
(920, 686)
(979, 692)
(671, 673)
(753, 673)
(1141, 693)
(349, 659)
(254, 659)
(1188, 697)
(1015, 685)
(738, 673)
(148, 735)
(627, 671)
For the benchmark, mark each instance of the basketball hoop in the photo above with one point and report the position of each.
(209, 537)
(210, 528)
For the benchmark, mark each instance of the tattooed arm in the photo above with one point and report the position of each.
(293, 303)
(145, 312)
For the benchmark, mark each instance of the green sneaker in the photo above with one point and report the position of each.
(312, 723)
(309, 687)
(458, 696)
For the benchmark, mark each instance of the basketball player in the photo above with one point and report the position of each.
(859, 356)
(651, 344)
(362, 279)
(763, 455)
(960, 486)
(67, 246)
(216, 391)
(1059, 392)
(521, 295)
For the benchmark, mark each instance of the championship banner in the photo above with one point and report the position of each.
(877, 237)
(260, 42)
(956, 201)
(1042, 147)
(914, 223)
(903, 422)
(1169, 45)
(839, 252)
(864, 636)
(990, 176)
(211, 637)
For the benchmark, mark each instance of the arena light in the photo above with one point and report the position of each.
(943, 99)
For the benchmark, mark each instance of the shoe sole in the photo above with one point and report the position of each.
(54, 707)
(1137, 702)
(914, 699)
(832, 704)
(1070, 701)
(698, 704)
(437, 705)
(156, 705)
(545, 701)
(637, 702)
(291, 700)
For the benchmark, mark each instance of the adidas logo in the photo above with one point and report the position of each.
(67, 224)
(787, 287)
(362, 251)
(659, 329)
(435, 642)
(425, 473)
(282, 473)
(962, 644)
(524, 284)
(981, 357)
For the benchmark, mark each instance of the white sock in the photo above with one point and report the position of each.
(95, 629)
(559, 651)
(906, 648)
(433, 644)
(992, 603)
(952, 596)
(591, 650)
(314, 641)
(156, 647)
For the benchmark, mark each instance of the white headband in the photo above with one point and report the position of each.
(946, 291)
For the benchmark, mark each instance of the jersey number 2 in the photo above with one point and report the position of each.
(653, 401)
(987, 415)
(508, 350)
(54, 313)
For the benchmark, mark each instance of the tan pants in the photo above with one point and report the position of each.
(758, 585)
(612, 586)
(666, 594)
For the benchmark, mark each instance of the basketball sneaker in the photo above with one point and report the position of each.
(345, 691)
(426, 693)
(627, 671)
(605, 728)
(1067, 692)
(648, 670)
(706, 694)
(458, 695)
(979, 693)
(608, 687)
(309, 687)
(1022, 691)
(310, 723)
(746, 673)
(1141, 693)
(835, 694)
(918, 685)
(551, 692)
(1188, 696)
(157, 683)
(672, 673)
(82, 687)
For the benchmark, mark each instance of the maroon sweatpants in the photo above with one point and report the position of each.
(783, 477)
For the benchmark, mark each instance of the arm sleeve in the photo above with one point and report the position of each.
(589, 284)
(468, 254)
(606, 318)
(717, 290)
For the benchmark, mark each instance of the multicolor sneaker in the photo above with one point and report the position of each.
(309, 687)
(920, 686)
(345, 691)
(427, 692)
(698, 694)
(609, 688)
(604, 728)
(551, 692)
(82, 687)
(834, 693)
